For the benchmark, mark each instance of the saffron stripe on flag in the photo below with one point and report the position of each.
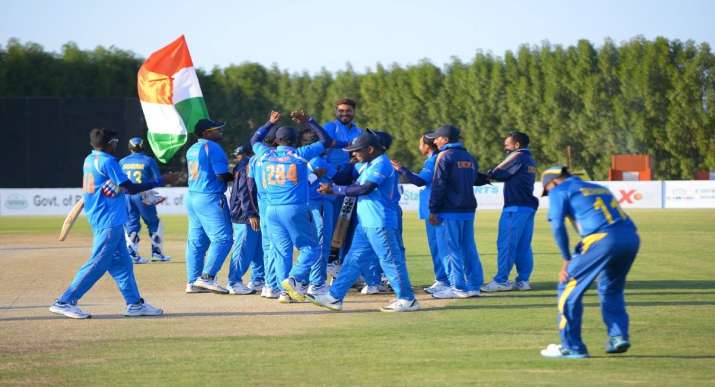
(154, 87)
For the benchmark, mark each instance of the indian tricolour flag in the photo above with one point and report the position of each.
(171, 98)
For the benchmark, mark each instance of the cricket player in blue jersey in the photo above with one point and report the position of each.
(284, 176)
(609, 244)
(247, 250)
(321, 210)
(103, 187)
(376, 230)
(271, 289)
(139, 168)
(210, 234)
(424, 179)
(452, 207)
(342, 130)
(516, 224)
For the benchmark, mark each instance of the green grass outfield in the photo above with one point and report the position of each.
(492, 340)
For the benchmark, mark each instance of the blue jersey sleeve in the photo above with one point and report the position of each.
(110, 168)
(329, 128)
(558, 211)
(251, 167)
(428, 169)
(218, 159)
(439, 183)
(308, 152)
(507, 168)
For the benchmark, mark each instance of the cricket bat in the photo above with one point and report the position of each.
(341, 227)
(71, 218)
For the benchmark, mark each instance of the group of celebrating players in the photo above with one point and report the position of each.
(289, 187)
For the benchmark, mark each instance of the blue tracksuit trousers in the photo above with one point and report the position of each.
(109, 253)
(246, 252)
(458, 252)
(209, 236)
(291, 225)
(607, 257)
(516, 228)
(367, 242)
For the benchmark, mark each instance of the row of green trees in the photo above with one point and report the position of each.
(653, 97)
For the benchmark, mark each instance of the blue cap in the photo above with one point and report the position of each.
(385, 139)
(207, 124)
(136, 144)
(366, 139)
(242, 150)
(287, 133)
(550, 174)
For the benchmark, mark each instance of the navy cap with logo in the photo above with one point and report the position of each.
(205, 124)
(550, 174)
(366, 139)
(287, 133)
(242, 150)
(449, 131)
(385, 139)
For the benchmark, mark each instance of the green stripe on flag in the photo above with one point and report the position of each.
(165, 145)
(191, 111)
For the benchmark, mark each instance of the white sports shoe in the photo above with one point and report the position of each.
(138, 260)
(437, 286)
(401, 305)
(69, 310)
(270, 293)
(142, 309)
(555, 351)
(521, 285)
(294, 289)
(156, 257)
(315, 290)
(190, 288)
(284, 298)
(448, 293)
(239, 289)
(210, 285)
(370, 289)
(256, 286)
(325, 300)
(497, 287)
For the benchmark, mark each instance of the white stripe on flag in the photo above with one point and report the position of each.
(186, 85)
(162, 118)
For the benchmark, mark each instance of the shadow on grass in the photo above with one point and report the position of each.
(317, 311)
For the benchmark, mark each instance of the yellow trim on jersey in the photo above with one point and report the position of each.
(591, 239)
(562, 301)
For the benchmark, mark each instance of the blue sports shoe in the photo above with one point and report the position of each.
(617, 344)
(555, 351)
